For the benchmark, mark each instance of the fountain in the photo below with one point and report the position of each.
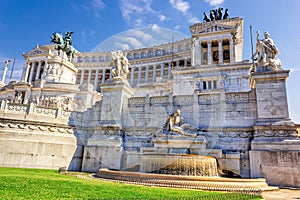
(171, 164)
(180, 164)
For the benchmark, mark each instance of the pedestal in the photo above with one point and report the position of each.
(271, 97)
(60, 70)
(275, 148)
(273, 123)
(115, 95)
(104, 149)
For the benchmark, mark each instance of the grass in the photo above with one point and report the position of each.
(18, 183)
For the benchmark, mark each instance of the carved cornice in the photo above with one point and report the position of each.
(216, 27)
(35, 127)
(275, 131)
(213, 68)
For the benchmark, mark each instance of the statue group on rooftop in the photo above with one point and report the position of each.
(216, 14)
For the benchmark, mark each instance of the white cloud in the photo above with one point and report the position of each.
(83, 34)
(155, 28)
(92, 32)
(177, 27)
(162, 18)
(139, 34)
(135, 8)
(131, 41)
(93, 6)
(193, 20)
(138, 22)
(122, 46)
(139, 38)
(98, 4)
(214, 2)
(182, 6)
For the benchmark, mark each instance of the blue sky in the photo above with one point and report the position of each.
(26, 23)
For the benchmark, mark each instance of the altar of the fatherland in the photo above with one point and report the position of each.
(116, 110)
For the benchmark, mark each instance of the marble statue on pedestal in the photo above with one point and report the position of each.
(266, 54)
(119, 64)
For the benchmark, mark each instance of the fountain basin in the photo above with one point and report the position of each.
(179, 164)
(255, 186)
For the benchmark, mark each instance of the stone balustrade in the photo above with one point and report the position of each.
(32, 111)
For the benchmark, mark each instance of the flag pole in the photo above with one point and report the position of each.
(172, 59)
(12, 69)
(253, 68)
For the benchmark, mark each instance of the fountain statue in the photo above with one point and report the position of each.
(175, 154)
(172, 125)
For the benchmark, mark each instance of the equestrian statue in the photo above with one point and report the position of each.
(64, 44)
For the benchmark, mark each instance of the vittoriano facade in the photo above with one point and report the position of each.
(92, 110)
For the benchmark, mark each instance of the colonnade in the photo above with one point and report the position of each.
(165, 49)
(214, 51)
(34, 71)
(95, 74)
(138, 73)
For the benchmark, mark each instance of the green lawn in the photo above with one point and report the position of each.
(18, 183)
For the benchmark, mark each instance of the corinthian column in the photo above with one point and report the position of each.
(231, 46)
(31, 73)
(82, 77)
(96, 80)
(27, 67)
(220, 51)
(147, 74)
(169, 70)
(38, 71)
(154, 73)
(209, 53)
(132, 77)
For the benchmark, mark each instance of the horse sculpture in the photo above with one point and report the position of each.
(216, 14)
(63, 44)
(205, 18)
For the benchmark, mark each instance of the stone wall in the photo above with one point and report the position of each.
(278, 167)
(32, 145)
(234, 109)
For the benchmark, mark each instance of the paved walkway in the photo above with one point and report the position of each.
(282, 194)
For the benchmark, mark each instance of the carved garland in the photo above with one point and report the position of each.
(275, 133)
